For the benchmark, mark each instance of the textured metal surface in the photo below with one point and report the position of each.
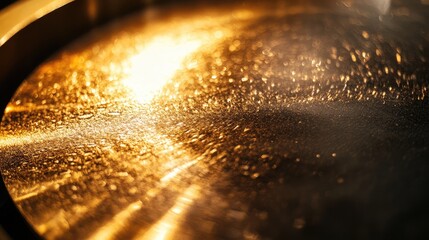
(236, 121)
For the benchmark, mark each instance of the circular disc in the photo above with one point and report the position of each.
(237, 121)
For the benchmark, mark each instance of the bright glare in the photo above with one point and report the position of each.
(156, 64)
(167, 226)
(160, 58)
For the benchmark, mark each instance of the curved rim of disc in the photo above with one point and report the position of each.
(30, 31)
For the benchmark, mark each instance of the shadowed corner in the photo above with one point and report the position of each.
(11, 220)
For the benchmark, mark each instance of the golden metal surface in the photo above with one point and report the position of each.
(217, 122)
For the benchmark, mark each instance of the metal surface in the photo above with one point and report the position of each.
(239, 121)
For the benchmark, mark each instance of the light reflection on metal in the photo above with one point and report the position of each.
(111, 228)
(117, 223)
(177, 170)
(20, 14)
(157, 63)
(63, 219)
(169, 223)
(383, 5)
(126, 133)
(41, 188)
